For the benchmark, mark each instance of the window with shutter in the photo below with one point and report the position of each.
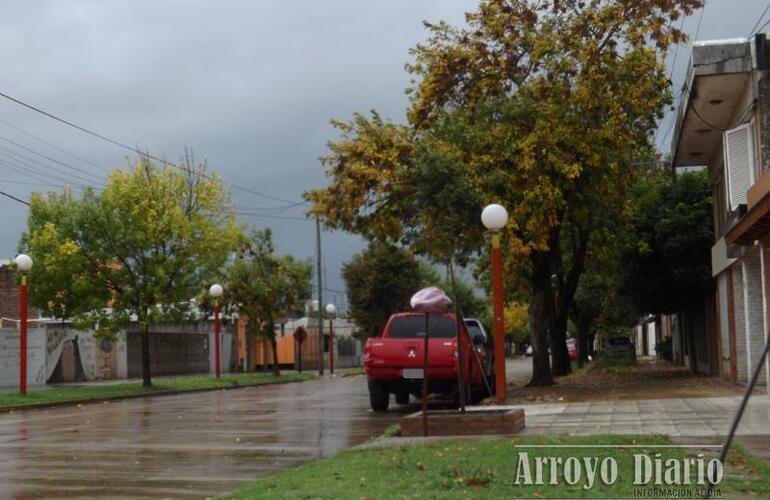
(739, 163)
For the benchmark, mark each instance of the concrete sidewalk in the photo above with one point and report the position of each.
(672, 417)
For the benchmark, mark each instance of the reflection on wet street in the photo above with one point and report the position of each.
(185, 446)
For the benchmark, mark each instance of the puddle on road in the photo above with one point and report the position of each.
(184, 446)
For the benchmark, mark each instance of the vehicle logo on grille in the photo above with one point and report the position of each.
(412, 354)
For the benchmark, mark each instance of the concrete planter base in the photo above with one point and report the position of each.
(476, 421)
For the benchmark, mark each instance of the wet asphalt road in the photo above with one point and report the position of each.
(186, 446)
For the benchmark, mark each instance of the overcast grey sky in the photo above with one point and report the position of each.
(249, 85)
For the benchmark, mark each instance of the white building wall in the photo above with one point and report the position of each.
(651, 338)
(9, 356)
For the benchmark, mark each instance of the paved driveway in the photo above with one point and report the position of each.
(186, 446)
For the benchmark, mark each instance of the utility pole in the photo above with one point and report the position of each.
(320, 299)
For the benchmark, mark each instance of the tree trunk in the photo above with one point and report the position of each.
(145, 334)
(584, 333)
(540, 306)
(560, 362)
(274, 347)
(565, 288)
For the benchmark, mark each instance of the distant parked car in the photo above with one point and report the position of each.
(476, 329)
(483, 342)
(620, 349)
(572, 350)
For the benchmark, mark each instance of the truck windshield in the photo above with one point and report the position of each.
(411, 327)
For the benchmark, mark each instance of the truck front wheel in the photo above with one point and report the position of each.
(379, 397)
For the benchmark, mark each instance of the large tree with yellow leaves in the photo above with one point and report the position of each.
(542, 106)
(137, 251)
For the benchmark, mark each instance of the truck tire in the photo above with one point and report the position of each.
(477, 395)
(402, 398)
(456, 394)
(379, 397)
(491, 381)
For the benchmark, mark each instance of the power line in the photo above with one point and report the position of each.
(122, 145)
(37, 166)
(767, 7)
(264, 216)
(700, 20)
(763, 26)
(53, 160)
(279, 207)
(28, 183)
(676, 53)
(671, 75)
(52, 145)
(14, 198)
(32, 174)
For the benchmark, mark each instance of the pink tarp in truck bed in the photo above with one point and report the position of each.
(430, 300)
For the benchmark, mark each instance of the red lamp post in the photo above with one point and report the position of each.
(495, 217)
(24, 265)
(216, 291)
(331, 310)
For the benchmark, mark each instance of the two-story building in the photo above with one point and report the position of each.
(724, 124)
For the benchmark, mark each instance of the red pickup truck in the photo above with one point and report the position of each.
(393, 361)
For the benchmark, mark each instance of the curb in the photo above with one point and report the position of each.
(77, 402)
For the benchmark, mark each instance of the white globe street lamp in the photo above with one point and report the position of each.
(331, 310)
(494, 217)
(216, 291)
(24, 265)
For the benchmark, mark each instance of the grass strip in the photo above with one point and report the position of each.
(485, 469)
(60, 394)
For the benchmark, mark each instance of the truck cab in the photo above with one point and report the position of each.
(393, 361)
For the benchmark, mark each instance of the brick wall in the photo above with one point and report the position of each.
(9, 295)
(170, 353)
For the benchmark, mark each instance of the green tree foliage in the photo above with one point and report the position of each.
(471, 304)
(538, 105)
(600, 307)
(140, 249)
(515, 320)
(267, 288)
(380, 281)
(666, 259)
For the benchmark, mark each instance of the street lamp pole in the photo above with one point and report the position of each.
(495, 217)
(216, 291)
(331, 310)
(23, 264)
